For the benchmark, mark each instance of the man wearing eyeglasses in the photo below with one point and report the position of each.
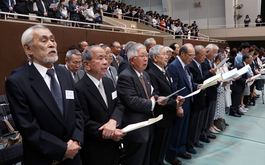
(136, 94)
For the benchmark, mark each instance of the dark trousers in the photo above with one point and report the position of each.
(136, 153)
(236, 100)
(160, 144)
(101, 153)
(208, 117)
(195, 126)
(178, 138)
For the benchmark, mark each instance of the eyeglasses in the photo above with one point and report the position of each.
(142, 55)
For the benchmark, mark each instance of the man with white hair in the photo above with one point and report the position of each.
(162, 84)
(209, 70)
(149, 43)
(43, 103)
(136, 94)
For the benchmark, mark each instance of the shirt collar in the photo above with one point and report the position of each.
(198, 64)
(161, 69)
(94, 80)
(182, 63)
(138, 73)
(42, 70)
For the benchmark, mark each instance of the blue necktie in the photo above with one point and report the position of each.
(55, 90)
(188, 76)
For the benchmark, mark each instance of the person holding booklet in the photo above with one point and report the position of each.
(198, 110)
(136, 94)
(238, 87)
(162, 83)
(209, 71)
(181, 78)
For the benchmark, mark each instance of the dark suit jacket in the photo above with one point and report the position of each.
(238, 85)
(23, 7)
(45, 131)
(96, 114)
(163, 87)
(41, 8)
(137, 105)
(211, 92)
(4, 5)
(79, 73)
(180, 80)
(199, 99)
(114, 62)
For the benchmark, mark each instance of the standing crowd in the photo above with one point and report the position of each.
(92, 11)
(73, 113)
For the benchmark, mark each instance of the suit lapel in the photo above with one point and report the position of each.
(161, 75)
(183, 74)
(39, 86)
(95, 92)
(107, 92)
(138, 83)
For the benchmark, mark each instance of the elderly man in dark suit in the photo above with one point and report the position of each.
(135, 92)
(197, 113)
(116, 50)
(73, 63)
(44, 104)
(162, 83)
(102, 111)
(181, 78)
(209, 70)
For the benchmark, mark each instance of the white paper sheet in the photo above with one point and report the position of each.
(253, 78)
(227, 76)
(242, 71)
(132, 127)
(193, 93)
(172, 94)
(211, 81)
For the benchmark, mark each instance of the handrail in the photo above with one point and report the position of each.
(117, 22)
(44, 20)
(172, 33)
(142, 21)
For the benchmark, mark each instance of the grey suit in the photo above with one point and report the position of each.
(137, 108)
(112, 74)
(78, 76)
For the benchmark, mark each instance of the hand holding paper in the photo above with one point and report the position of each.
(211, 81)
(180, 100)
(253, 78)
(161, 100)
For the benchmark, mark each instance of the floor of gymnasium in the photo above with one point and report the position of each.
(242, 143)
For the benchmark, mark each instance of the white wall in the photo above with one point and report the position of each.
(211, 12)
(252, 8)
